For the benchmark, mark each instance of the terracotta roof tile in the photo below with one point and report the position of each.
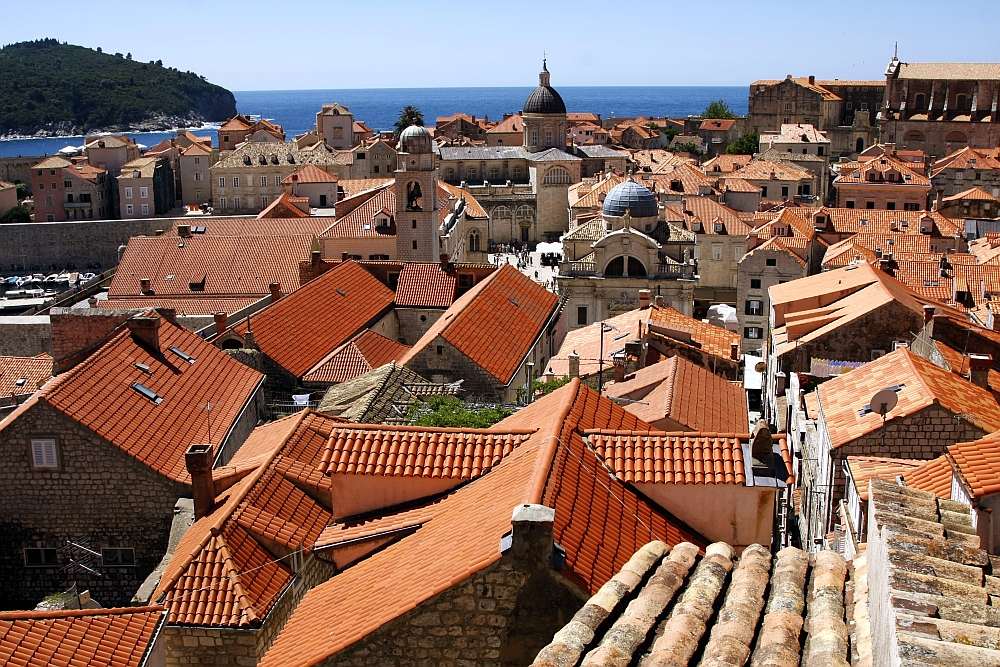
(340, 533)
(860, 173)
(73, 638)
(302, 328)
(854, 220)
(98, 394)
(864, 468)
(505, 307)
(965, 158)
(671, 458)
(285, 206)
(922, 384)
(709, 338)
(687, 394)
(932, 476)
(363, 353)
(309, 173)
(600, 524)
(727, 163)
(473, 209)
(978, 464)
(972, 194)
(424, 285)
(763, 170)
(360, 221)
(709, 212)
(23, 375)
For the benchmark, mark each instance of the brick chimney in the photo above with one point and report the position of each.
(928, 313)
(644, 298)
(979, 369)
(574, 364)
(144, 287)
(812, 80)
(145, 330)
(275, 292)
(734, 351)
(198, 459)
(658, 300)
(343, 256)
(220, 322)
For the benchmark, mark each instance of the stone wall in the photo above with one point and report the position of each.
(99, 496)
(209, 646)
(452, 365)
(414, 322)
(25, 335)
(14, 169)
(77, 330)
(244, 425)
(40, 245)
(314, 572)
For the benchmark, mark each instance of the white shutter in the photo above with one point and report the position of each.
(43, 453)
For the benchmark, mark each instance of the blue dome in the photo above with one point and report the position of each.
(633, 197)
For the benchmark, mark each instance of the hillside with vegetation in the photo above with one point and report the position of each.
(53, 88)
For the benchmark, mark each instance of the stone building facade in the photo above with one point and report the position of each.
(145, 188)
(66, 191)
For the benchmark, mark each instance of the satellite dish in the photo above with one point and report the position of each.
(883, 402)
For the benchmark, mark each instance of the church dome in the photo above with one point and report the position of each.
(632, 197)
(416, 139)
(544, 99)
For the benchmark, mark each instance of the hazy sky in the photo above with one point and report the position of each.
(310, 44)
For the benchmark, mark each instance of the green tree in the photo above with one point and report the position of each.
(16, 214)
(22, 190)
(687, 147)
(718, 109)
(448, 411)
(408, 115)
(747, 144)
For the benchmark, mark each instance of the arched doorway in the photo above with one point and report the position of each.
(859, 145)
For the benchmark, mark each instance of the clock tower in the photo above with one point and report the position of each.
(417, 237)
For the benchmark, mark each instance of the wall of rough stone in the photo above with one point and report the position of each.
(25, 336)
(313, 573)
(99, 496)
(76, 330)
(411, 327)
(452, 365)
(40, 245)
(209, 646)
(245, 424)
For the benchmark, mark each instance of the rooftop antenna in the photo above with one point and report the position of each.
(208, 418)
(895, 52)
(79, 565)
(883, 402)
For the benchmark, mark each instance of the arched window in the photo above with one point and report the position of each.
(232, 344)
(616, 267)
(524, 214)
(499, 142)
(860, 144)
(501, 213)
(920, 102)
(557, 176)
(636, 268)
(475, 241)
(956, 138)
(914, 135)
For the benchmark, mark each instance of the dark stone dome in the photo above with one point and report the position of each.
(633, 197)
(416, 139)
(544, 99)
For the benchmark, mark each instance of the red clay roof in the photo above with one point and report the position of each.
(98, 394)
(366, 351)
(707, 337)
(284, 206)
(599, 521)
(864, 468)
(23, 375)
(302, 328)
(495, 323)
(74, 638)
(360, 221)
(424, 285)
(309, 173)
(978, 463)
(586, 342)
(691, 396)
(933, 476)
(671, 458)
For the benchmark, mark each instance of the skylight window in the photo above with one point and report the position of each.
(513, 301)
(340, 292)
(144, 368)
(147, 392)
(182, 354)
(21, 382)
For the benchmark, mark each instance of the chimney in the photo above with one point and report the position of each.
(812, 80)
(145, 330)
(979, 369)
(734, 351)
(198, 459)
(444, 261)
(275, 292)
(184, 230)
(92, 302)
(220, 322)
(658, 300)
(928, 313)
(343, 256)
(530, 538)
(644, 298)
(574, 364)
(144, 286)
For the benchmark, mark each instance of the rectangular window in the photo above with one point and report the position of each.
(376, 169)
(754, 307)
(41, 557)
(236, 181)
(143, 193)
(581, 315)
(784, 191)
(755, 283)
(763, 191)
(771, 261)
(755, 333)
(263, 202)
(197, 160)
(869, 205)
(820, 150)
(41, 186)
(890, 206)
(48, 200)
(548, 137)
(534, 138)
(717, 252)
(222, 181)
(198, 176)
(849, 203)
(414, 245)
(263, 180)
(145, 209)
(129, 209)
(738, 252)
(67, 184)
(128, 193)
(414, 224)
(440, 350)
(222, 203)
(911, 207)
(118, 557)
(236, 203)
(959, 175)
(49, 217)
(43, 453)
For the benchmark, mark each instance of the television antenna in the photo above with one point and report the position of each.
(882, 403)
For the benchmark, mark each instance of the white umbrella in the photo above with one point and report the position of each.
(69, 150)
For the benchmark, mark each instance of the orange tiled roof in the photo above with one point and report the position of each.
(854, 220)
(359, 222)
(864, 244)
(586, 342)
(365, 352)
(972, 194)
(98, 394)
(425, 285)
(795, 247)
(762, 170)
(966, 158)
(235, 123)
(495, 323)
(77, 637)
(302, 328)
(933, 476)
(923, 385)
(978, 464)
(864, 468)
(284, 206)
(508, 125)
(183, 306)
(727, 163)
(708, 212)
(23, 375)
(691, 178)
(738, 185)
(309, 173)
(600, 525)
(959, 364)
(671, 458)
(711, 339)
(685, 393)
(473, 209)
(592, 196)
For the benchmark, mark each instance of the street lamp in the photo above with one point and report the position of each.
(600, 357)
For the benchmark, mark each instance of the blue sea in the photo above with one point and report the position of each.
(295, 110)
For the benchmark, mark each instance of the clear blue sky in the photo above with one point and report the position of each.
(313, 44)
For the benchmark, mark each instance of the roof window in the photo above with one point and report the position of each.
(144, 368)
(147, 392)
(182, 354)
(513, 301)
(21, 382)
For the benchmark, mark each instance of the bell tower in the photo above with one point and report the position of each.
(417, 236)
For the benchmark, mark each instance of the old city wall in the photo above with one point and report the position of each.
(98, 496)
(38, 246)
(25, 336)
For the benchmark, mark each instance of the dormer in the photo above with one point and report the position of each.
(926, 224)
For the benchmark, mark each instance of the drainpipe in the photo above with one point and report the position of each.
(531, 372)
